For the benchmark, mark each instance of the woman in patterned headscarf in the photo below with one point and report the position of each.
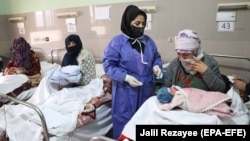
(23, 60)
(77, 55)
(193, 67)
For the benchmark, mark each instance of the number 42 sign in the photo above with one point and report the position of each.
(226, 26)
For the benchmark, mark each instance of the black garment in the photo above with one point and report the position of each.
(248, 88)
(136, 45)
(130, 13)
(70, 58)
(228, 83)
(1, 65)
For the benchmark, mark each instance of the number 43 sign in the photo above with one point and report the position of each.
(226, 26)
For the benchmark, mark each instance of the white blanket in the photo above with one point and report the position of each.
(9, 83)
(150, 114)
(21, 122)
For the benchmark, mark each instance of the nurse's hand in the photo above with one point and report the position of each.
(157, 71)
(133, 81)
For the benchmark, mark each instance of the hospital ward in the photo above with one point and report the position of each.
(103, 70)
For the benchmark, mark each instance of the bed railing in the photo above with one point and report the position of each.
(241, 70)
(231, 56)
(101, 138)
(52, 53)
(38, 111)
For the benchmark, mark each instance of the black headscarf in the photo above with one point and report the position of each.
(70, 58)
(21, 53)
(130, 13)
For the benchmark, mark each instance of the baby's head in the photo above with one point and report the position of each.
(165, 94)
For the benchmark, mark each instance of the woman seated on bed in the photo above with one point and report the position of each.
(77, 55)
(24, 61)
(76, 59)
(193, 67)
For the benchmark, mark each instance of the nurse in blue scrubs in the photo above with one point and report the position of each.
(131, 60)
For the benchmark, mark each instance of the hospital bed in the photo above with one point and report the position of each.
(245, 69)
(150, 113)
(95, 127)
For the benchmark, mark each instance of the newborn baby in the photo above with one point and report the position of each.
(194, 100)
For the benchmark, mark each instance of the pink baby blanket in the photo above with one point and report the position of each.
(200, 101)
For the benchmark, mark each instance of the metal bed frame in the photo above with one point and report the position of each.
(101, 138)
(231, 56)
(52, 53)
(34, 107)
(246, 69)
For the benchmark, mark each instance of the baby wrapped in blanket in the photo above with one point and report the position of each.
(194, 100)
(66, 76)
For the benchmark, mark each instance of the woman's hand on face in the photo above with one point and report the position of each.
(198, 65)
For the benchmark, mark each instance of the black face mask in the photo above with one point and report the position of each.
(137, 31)
(72, 51)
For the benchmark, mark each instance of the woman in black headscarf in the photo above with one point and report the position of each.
(131, 60)
(77, 55)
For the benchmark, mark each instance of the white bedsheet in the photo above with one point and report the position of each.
(99, 70)
(10, 84)
(46, 66)
(150, 114)
(47, 97)
(21, 123)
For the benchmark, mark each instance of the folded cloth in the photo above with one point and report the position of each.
(200, 101)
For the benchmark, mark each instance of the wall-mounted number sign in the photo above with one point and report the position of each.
(226, 26)
(71, 28)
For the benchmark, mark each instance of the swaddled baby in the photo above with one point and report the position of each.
(194, 100)
(66, 76)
